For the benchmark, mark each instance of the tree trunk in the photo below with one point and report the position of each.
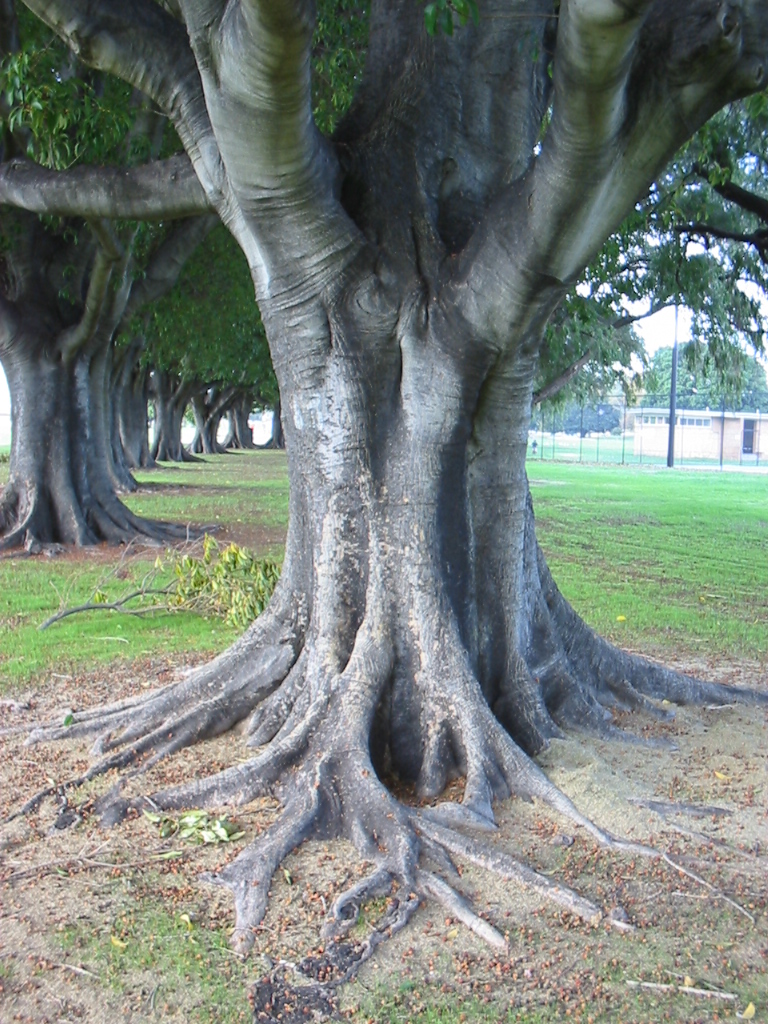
(208, 410)
(405, 273)
(415, 632)
(170, 400)
(63, 478)
(131, 390)
(277, 438)
(239, 433)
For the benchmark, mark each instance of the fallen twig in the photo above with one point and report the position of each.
(663, 808)
(110, 606)
(77, 864)
(707, 885)
(76, 970)
(688, 990)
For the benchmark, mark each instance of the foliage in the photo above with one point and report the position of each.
(208, 328)
(196, 826)
(231, 583)
(67, 115)
(338, 55)
(663, 254)
(440, 14)
(704, 384)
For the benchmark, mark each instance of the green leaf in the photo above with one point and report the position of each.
(69, 719)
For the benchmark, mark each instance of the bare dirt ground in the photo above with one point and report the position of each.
(115, 925)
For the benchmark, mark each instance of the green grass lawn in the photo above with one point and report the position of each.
(681, 555)
(652, 559)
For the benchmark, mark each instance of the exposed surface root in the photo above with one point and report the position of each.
(313, 707)
(41, 519)
(625, 680)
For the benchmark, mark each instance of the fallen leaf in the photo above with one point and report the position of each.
(621, 618)
(749, 1013)
(452, 933)
(688, 981)
(117, 942)
(725, 778)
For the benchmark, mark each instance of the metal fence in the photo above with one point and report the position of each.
(638, 434)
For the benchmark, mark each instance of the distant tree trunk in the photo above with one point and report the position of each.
(208, 407)
(63, 477)
(277, 437)
(239, 434)
(131, 399)
(170, 398)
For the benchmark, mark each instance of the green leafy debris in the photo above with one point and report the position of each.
(231, 583)
(196, 827)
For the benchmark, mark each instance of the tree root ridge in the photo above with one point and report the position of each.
(582, 676)
(312, 716)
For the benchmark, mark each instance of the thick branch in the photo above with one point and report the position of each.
(164, 189)
(255, 68)
(553, 387)
(145, 46)
(632, 83)
(108, 254)
(138, 42)
(749, 201)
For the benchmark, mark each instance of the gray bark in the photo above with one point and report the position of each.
(170, 397)
(130, 385)
(63, 479)
(239, 433)
(405, 274)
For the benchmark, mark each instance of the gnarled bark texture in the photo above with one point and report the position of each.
(405, 273)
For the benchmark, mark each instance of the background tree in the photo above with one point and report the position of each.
(207, 337)
(405, 271)
(66, 286)
(703, 385)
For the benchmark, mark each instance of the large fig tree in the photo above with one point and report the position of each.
(405, 270)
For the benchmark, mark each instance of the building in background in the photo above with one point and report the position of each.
(703, 434)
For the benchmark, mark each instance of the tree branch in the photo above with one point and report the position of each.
(138, 42)
(553, 387)
(167, 263)
(758, 239)
(108, 254)
(749, 201)
(144, 45)
(633, 81)
(163, 189)
(255, 68)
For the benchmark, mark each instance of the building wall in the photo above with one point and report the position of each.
(697, 436)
